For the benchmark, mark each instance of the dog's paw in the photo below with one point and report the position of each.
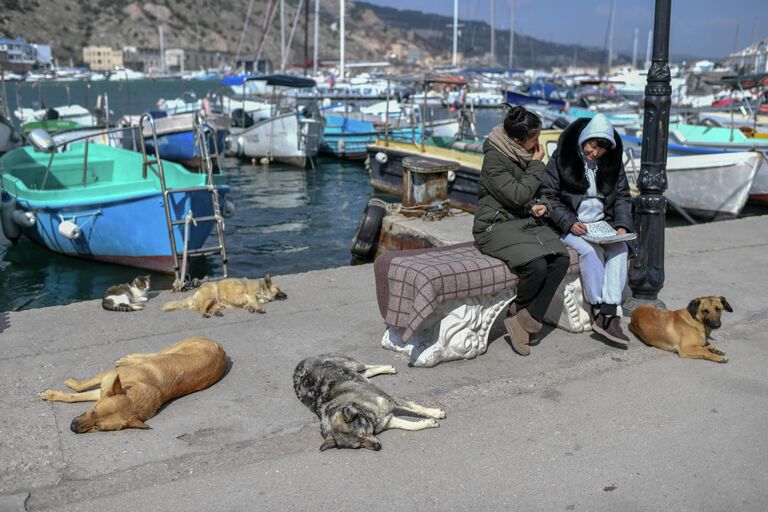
(716, 350)
(440, 414)
(71, 383)
(722, 360)
(219, 313)
(48, 394)
(431, 423)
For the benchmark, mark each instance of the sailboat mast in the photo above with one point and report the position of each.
(282, 36)
(512, 35)
(162, 49)
(648, 50)
(341, 39)
(610, 35)
(493, 32)
(316, 36)
(634, 51)
(455, 30)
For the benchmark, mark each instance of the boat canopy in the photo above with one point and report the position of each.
(743, 81)
(285, 81)
(498, 71)
(236, 79)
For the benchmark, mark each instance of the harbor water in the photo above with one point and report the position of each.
(288, 220)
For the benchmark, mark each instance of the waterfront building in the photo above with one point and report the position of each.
(102, 58)
(17, 55)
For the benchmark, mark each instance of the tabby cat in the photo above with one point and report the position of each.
(126, 297)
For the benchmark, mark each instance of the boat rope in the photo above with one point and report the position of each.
(427, 212)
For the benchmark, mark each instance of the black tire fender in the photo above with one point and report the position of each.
(367, 233)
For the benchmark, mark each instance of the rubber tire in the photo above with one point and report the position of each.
(367, 233)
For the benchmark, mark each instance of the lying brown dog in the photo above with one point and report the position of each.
(214, 296)
(685, 331)
(141, 383)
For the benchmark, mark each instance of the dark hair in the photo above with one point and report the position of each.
(601, 142)
(521, 124)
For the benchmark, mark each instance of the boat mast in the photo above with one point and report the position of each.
(282, 36)
(341, 39)
(493, 32)
(162, 50)
(609, 36)
(512, 35)
(648, 49)
(316, 37)
(634, 51)
(455, 30)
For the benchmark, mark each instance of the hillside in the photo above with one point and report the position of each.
(68, 25)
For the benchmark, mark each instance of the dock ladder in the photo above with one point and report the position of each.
(155, 164)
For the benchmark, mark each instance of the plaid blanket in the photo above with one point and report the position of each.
(410, 285)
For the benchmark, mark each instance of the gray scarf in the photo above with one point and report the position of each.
(501, 142)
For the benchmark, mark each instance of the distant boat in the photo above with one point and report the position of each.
(288, 135)
(76, 114)
(99, 204)
(176, 136)
(539, 94)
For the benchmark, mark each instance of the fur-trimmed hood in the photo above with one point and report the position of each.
(570, 163)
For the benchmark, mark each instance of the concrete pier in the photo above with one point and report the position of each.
(578, 425)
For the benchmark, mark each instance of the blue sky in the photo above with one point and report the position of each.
(699, 27)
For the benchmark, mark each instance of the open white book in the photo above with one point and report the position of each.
(601, 232)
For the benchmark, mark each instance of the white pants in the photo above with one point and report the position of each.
(603, 269)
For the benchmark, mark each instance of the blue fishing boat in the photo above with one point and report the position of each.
(348, 137)
(107, 204)
(176, 136)
(539, 94)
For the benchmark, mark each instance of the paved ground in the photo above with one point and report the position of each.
(576, 426)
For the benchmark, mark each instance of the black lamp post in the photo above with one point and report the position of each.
(646, 274)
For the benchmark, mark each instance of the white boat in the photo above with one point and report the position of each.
(77, 113)
(291, 134)
(715, 185)
(283, 138)
(126, 74)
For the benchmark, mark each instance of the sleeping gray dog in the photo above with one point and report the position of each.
(351, 409)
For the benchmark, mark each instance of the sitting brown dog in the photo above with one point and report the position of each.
(131, 393)
(685, 331)
(214, 296)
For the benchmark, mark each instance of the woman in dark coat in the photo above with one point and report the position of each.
(509, 222)
(585, 182)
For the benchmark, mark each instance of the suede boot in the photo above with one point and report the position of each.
(520, 327)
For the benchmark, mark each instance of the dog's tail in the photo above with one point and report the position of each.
(176, 305)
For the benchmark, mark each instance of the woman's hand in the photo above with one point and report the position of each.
(579, 228)
(621, 231)
(538, 210)
(538, 152)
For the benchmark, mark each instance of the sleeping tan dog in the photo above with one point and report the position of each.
(214, 296)
(685, 331)
(132, 392)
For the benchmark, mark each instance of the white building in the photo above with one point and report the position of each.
(752, 59)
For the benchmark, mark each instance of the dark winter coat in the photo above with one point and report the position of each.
(504, 227)
(565, 182)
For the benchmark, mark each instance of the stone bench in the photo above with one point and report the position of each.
(439, 304)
